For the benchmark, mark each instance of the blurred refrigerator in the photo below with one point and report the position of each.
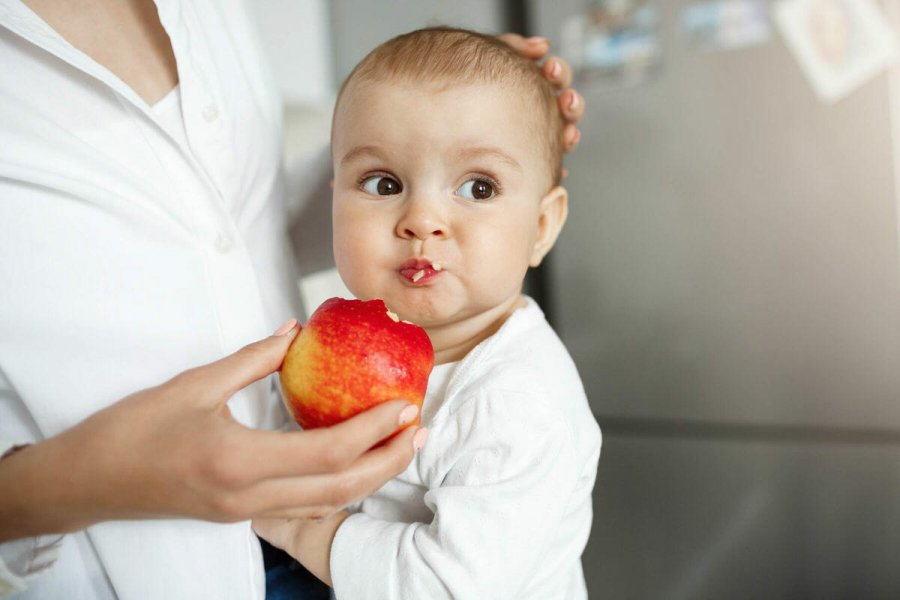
(729, 285)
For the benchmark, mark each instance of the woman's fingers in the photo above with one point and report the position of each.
(223, 378)
(317, 496)
(531, 47)
(557, 72)
(571, 105)
(271, 454)
(571, 137)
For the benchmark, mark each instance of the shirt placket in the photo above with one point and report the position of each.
(231, 280)
(205, 188)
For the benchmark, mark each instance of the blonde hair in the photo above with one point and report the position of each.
(445, 54)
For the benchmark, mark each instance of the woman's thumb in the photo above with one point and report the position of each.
(252, 362)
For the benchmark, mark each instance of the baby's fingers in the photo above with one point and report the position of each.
(277, 532)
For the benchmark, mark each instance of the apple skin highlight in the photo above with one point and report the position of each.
(350, 356)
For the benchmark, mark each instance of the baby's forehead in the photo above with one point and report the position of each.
(510, 86)
(442, 111)
(506, 95)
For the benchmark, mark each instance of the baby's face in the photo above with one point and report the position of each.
(436, 197)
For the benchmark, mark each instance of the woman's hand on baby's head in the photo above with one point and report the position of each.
(559, 73)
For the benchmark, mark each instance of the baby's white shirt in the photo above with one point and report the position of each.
(498, 502)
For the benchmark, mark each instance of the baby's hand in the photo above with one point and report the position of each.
(278, 532)
(307, 540)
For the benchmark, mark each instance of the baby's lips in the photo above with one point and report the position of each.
(415, 270)
(418, 264)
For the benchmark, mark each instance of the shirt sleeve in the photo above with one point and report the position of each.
(512, 469)
(23, 560)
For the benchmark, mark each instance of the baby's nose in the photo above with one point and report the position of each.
(421, 221)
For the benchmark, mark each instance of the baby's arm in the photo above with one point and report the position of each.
(504, 472)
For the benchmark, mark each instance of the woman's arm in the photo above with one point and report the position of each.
(175, 450)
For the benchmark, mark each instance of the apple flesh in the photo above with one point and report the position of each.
(350, 356)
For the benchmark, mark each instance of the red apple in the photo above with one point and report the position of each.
(350, 356)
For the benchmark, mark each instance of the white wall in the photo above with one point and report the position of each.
(296, 36)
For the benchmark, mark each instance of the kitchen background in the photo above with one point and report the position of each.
(727, 281)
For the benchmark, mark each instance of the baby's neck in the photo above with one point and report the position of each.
(452, 342)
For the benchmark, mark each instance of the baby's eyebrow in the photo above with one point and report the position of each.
(362, 151)
(463, 154)
(489, 151)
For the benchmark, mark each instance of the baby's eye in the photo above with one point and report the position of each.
(477, 189)
(381, 185)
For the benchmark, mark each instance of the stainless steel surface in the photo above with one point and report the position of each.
(731, 253)
(728, 285)
(361, 25)
(744, 519)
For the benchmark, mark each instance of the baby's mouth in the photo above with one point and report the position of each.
(420, 271)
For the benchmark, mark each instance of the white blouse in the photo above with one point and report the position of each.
(131, 250)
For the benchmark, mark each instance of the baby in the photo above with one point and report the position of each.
(447, 150)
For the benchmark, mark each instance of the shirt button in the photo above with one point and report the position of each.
(223, 243)
(210, 113)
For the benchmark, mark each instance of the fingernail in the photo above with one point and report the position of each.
(573, 103)
(408, 414)
(419, 439)
(286, 327)
(536, 39)
(576, 137)
(556, 69)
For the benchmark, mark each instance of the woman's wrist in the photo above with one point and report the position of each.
(13, 449)
(18, 482)
(16, 486)
(33, 502)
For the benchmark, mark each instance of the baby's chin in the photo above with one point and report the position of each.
(420, 309)
(423, 309)
(439, 308)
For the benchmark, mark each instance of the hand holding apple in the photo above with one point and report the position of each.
(350, 356)
(205, 465)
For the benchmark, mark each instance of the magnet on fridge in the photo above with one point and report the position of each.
(614, 42)
(839, 44)
(726, 24)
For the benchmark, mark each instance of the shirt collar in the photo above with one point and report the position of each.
(22, 21)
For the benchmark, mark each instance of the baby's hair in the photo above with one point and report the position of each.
(449, 55)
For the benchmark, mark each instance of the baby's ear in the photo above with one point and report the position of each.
(554, 209)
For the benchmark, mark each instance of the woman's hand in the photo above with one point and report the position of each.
(175, 451)
(557, 72)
